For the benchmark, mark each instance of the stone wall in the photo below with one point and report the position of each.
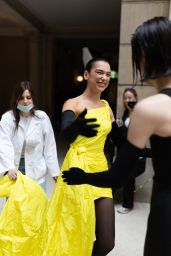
(134, 13)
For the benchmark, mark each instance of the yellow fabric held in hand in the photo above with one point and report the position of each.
(21, 220)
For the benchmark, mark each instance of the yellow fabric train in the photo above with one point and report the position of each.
(22, 217)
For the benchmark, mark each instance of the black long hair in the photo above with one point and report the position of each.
(17, 93)
(151, 49)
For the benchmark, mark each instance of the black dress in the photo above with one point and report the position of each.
(158, 236)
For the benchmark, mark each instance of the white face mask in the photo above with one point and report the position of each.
(24, 109)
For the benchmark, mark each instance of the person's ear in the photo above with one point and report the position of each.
(86, 75)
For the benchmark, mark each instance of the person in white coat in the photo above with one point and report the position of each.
(28, 139)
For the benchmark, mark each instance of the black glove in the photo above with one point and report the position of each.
(119, 136)
(116, 177)
(74, 176)
(71, 126)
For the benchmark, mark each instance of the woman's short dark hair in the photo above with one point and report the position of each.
(151, 49)
(90, 63)
(17, 93)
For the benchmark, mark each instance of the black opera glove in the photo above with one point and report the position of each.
(147, 152)
(74, 176)
(116, 177)
(71, 126)
(119, 140)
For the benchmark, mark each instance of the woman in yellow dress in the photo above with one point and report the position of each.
(78, 215)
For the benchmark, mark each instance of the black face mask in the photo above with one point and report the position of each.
(131, 104)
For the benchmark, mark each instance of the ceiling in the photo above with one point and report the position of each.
(63, 18)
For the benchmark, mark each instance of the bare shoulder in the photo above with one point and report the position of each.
(150, 116)
(152, 107)
(72, 104)
(143, 121)
(150, 112)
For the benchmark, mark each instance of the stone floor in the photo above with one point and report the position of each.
(130, 231)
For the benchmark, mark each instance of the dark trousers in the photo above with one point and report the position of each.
(128, 194)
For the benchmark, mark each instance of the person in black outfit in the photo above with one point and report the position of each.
(151, 119)
(130, 98)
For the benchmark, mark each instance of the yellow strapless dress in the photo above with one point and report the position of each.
(70, 219)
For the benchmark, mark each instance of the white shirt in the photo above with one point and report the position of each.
(127, 121)
(40, 151)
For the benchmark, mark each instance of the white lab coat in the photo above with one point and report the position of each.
(40, 151)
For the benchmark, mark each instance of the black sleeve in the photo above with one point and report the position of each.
(120, 171)
(67, 118)
(146, 152)
(72, 126)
